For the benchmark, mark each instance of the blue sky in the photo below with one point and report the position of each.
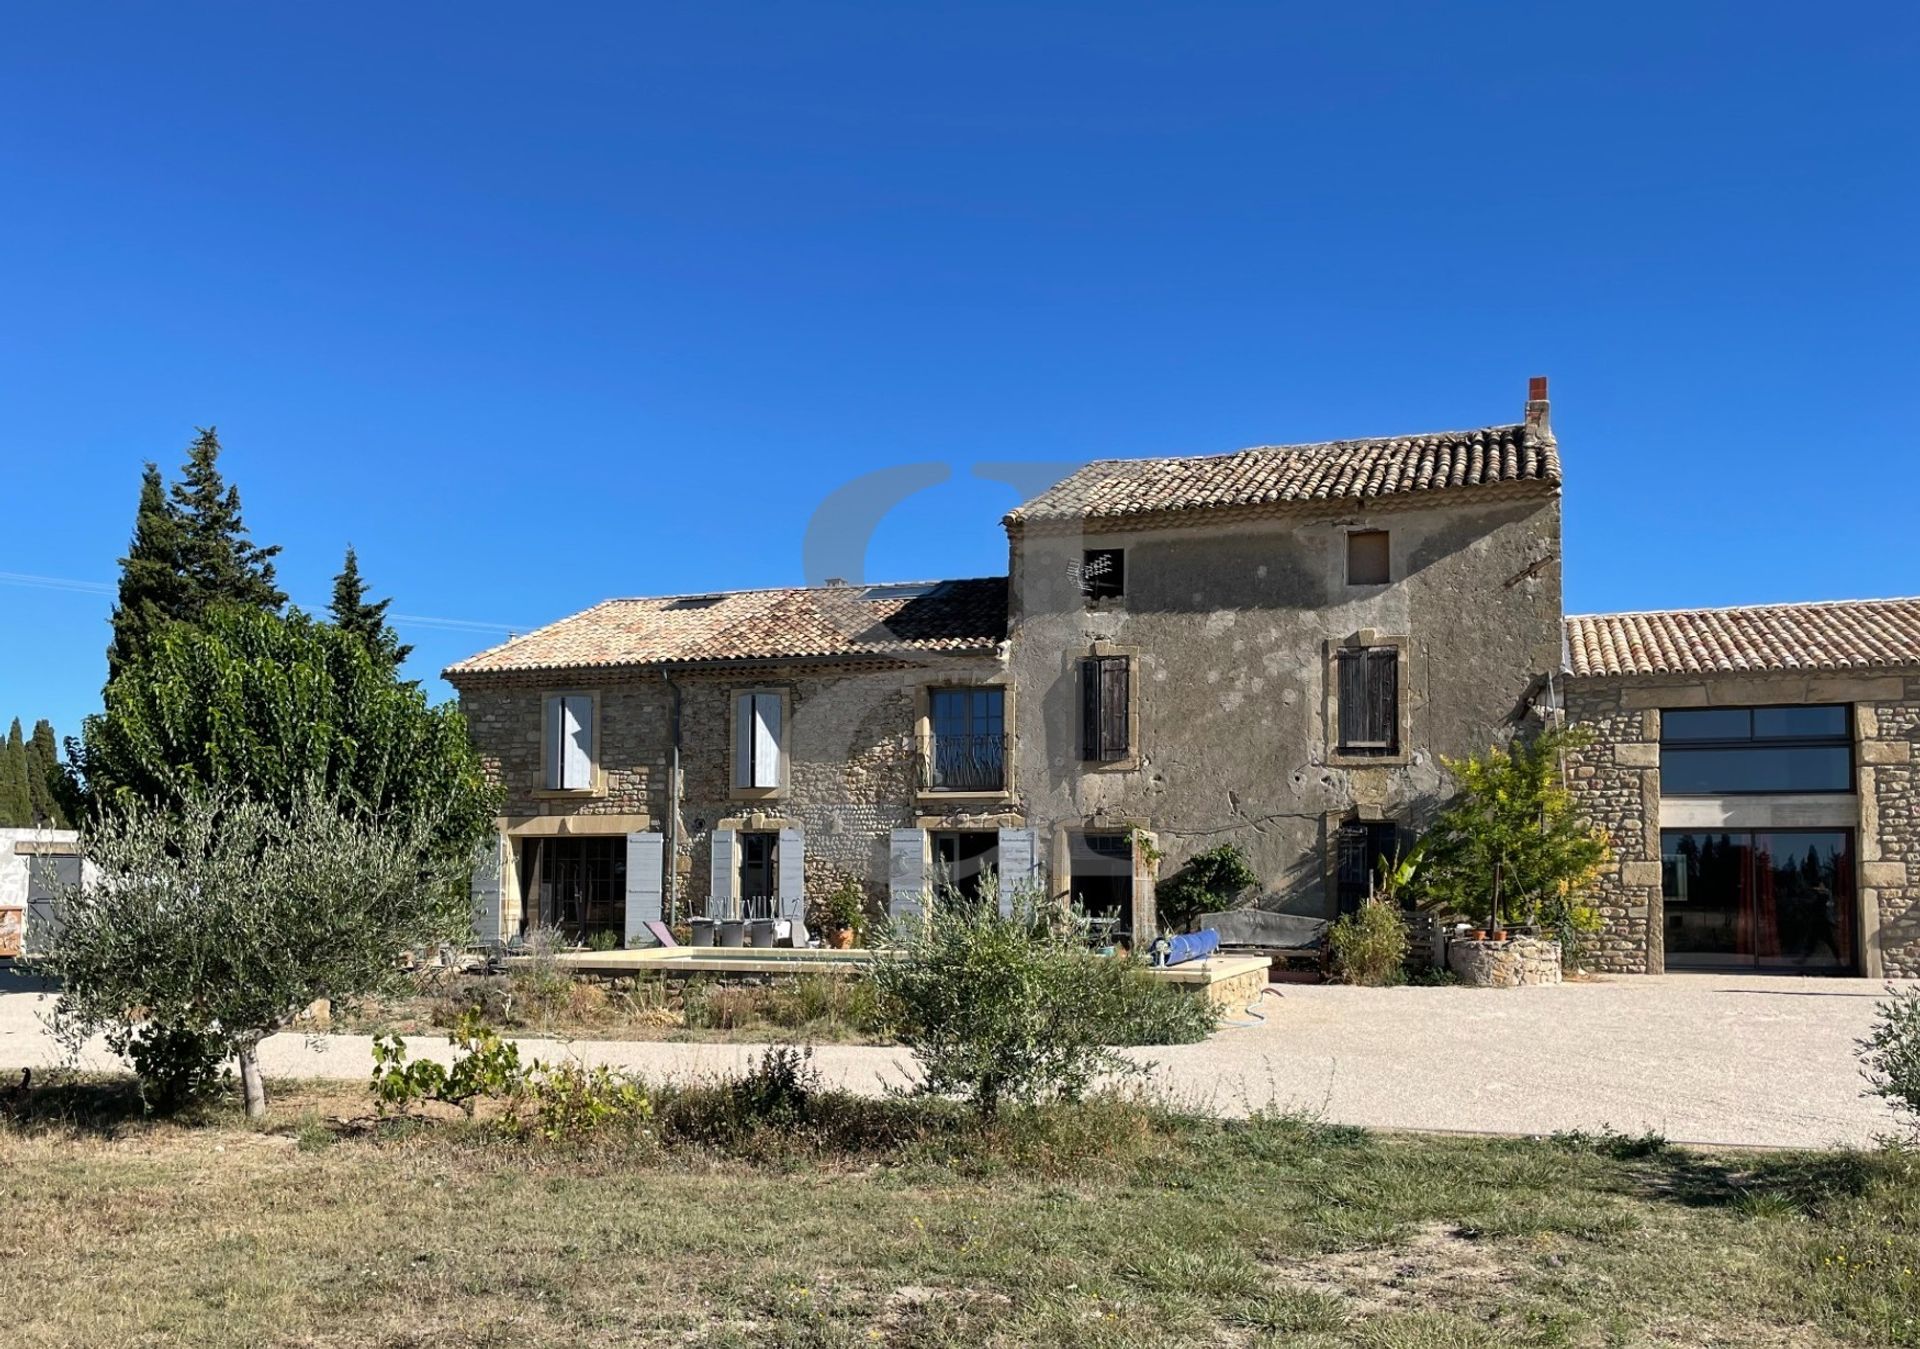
(540, 304)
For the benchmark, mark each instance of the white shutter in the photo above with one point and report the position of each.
(766, 740)
(553, 735)
(1018, 866)
(793, 875)
(725, 876)
(485, 889)
(576, 762)
(644, 854)
(743, 740)
(907, 872)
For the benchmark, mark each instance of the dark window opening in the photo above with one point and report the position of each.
(1367, 558)
(966, 749)
(1101, 884)
(1103, 573)
(759, 874)
(1730, 751)
(1106, 692)
(963, 858)
(1369, 699)
(577, 885)
(1361, 847)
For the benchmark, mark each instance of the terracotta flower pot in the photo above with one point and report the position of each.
(842, 939)
(1500, 934)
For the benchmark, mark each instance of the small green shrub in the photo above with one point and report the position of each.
(177, 1065)
(1890, 1054)
(1369, 945)
(484, 1066)
(603, 941)
(1012, 1009)
(569, 1103)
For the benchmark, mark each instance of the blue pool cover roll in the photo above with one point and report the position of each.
(1186, 946)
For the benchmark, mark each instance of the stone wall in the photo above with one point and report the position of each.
(853, 770)
(503, 720)
(852, 748)
(1519, 962)
(1615, 779)
(1889, 735)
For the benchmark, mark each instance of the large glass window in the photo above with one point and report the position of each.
(1716, 751)
(1782, 897)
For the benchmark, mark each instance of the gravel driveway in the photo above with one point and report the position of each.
(1740, 1059)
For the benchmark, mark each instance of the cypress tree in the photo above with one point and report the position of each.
(153, 590)
(220, 564)
(45, 785)
(352, 613)
(16, 798)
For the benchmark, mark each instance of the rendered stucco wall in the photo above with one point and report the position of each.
(1230, 626)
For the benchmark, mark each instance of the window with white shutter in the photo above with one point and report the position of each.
(756, 740)
(568, 739)
(1369, 699)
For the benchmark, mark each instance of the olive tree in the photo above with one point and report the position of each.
(208, 923)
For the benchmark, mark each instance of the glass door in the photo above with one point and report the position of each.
(1776, 899)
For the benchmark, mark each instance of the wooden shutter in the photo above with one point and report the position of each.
(724, 876)
(1017, 865)
(484, 887)
(906, 872)
(1106, 689)
(1369, 694)
(644, 885)
(792, 880)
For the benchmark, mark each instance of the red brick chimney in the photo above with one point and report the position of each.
(1537, 407)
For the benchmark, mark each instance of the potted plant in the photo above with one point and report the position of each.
(846, 915)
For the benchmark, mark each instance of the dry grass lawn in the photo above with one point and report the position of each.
(1108, 1226)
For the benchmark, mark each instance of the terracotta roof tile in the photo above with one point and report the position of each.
(794, 623)
(1829, 635)
(1339, 470)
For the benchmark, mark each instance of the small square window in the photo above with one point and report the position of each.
(1367, 563)
(1103, 573)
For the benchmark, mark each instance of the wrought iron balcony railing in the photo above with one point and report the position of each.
(963, 763)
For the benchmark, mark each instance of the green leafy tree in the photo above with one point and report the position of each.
(16, 799)
(204, 925)
(351, 612)
(268, 706)
(46, 783)
(1212, 880)
(1511, 839)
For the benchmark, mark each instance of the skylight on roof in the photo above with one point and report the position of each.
(695, 602)
(909, 591)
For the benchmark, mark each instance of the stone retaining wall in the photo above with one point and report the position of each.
(1518, 962)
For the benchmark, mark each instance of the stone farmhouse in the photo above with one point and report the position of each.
(1272, 648)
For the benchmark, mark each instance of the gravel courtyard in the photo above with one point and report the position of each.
(1730, 1059)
